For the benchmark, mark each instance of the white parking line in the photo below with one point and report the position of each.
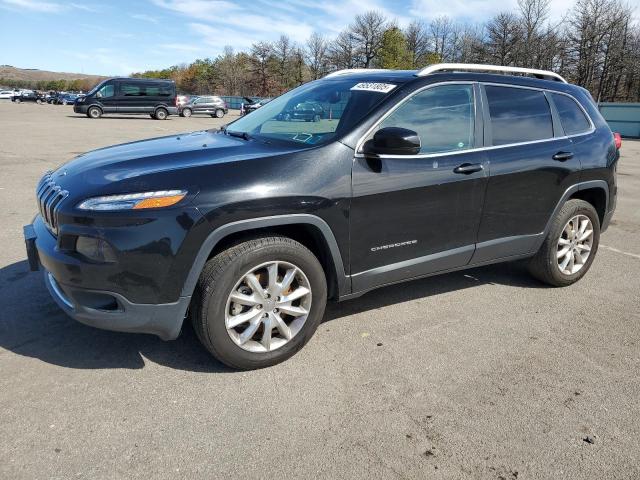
(607, 247)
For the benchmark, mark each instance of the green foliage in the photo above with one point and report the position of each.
(393, 52)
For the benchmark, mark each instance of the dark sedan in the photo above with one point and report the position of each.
(305, 111)
(28, 97)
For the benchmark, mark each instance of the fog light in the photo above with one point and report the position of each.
(95, 249)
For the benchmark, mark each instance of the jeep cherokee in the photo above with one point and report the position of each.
(247, 230)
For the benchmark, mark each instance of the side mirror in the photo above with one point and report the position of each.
(393, 141)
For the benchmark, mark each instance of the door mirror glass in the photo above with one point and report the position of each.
(393, 141)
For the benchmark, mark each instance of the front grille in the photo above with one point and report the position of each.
(50, 195)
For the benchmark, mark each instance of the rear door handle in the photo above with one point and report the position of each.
(563, 156)
(467, 168)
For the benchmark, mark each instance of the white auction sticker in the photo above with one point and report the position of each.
(374, 87)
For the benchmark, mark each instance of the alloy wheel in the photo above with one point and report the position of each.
(574, 244)
(268, 306)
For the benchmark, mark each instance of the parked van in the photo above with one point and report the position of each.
(157, 98)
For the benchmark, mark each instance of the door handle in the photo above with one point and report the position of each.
(563, 156)
(467, 168)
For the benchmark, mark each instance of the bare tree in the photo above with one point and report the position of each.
(367, 31)
(260, 55)
(503, 32)
(343, 52)
(417, 43)
(441, 32)
(316, 54)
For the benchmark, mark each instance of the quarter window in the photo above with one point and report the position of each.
(518, 115)
(442, 116)
(572, 117)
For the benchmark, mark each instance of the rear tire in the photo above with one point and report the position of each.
(94, 112)
(224, 277)
(161, 114)
(186, 112)
(39, 102)
(563, 244)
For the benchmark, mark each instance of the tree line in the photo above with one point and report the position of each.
(75, 85)
(595, 45)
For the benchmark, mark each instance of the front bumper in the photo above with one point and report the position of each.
(111, 311)
(100, 308)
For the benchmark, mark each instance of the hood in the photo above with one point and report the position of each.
(130, 162)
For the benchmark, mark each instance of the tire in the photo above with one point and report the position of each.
(287, 117)
(316, 118)
(17, 100)
(39, 102)
(64, 102)
(219, 113)
(186, 112)
(94, 112)
(225, 273)
(161, 114)
(546, 264)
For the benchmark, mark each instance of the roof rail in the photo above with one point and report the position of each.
(346, 71)
(474, 67)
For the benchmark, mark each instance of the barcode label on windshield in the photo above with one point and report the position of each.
(374, 87)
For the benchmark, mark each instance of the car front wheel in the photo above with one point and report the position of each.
(161, 114)
(94, 112)
(259, 302)
(186, 112)
(570, 247)
(219, 113)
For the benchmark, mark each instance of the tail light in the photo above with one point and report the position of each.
(617, 139)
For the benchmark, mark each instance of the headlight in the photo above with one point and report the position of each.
(134, 201)
(80, 99)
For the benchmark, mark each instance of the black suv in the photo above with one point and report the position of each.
(156, 98)
(249, 229)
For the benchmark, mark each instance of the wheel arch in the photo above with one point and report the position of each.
(590, 189)
(310, 230)
(596, 196)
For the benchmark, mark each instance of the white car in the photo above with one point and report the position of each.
(7, 94)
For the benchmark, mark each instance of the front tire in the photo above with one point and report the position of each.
(161, 114)
(219, 113)
(570, 247)
(94, 112)
(186, 112)
(259, 302)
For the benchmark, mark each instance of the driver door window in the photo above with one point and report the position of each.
(106, 91)
(443, 117)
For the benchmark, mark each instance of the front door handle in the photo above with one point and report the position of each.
(467, 168)
(563, 156)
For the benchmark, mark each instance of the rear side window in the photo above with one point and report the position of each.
(573, 119)
(518, 115)
(144, 90)
(442, 116)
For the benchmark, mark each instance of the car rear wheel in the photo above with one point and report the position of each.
(570, 247)
(94, 112)
(316, 118)
(186, 112)
(39, 101)
(259, 302)
(161, 114)
(17, 100)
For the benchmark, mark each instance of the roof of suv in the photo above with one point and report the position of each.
(467, 71)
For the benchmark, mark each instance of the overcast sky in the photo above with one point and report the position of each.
(118, 37)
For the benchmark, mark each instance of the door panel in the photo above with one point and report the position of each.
(526, 181)
(414, 215)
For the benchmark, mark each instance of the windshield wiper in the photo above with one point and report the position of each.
(243, 135)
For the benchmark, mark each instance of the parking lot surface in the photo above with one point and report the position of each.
(476, 374)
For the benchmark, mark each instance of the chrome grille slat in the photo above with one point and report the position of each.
(50, 196)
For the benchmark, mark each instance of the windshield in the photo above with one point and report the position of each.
(313, 113)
